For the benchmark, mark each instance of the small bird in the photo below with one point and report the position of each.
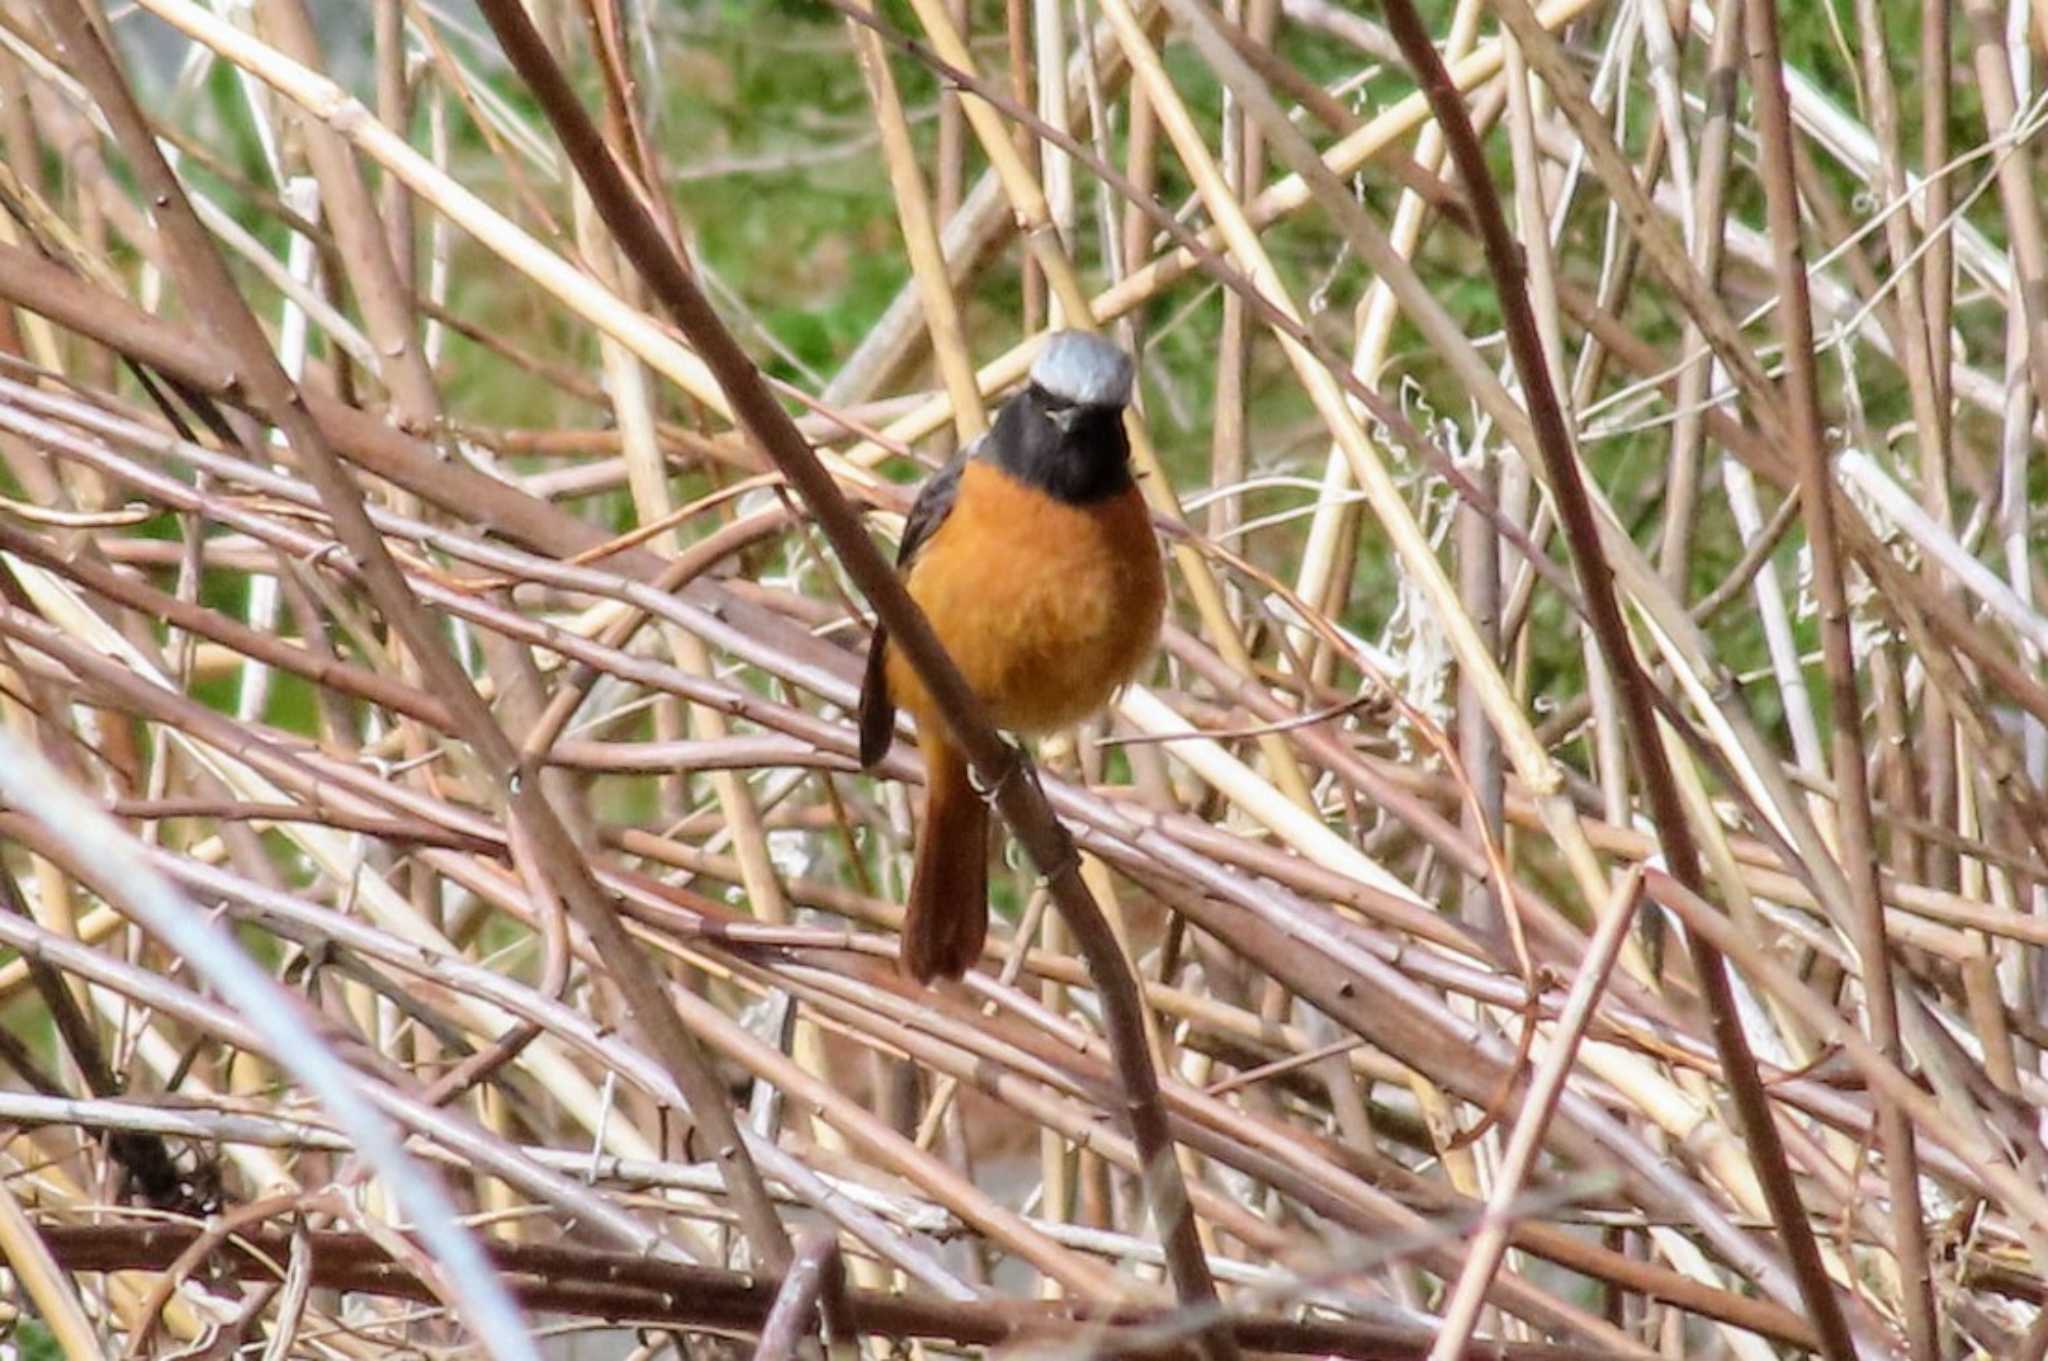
(1033, 556)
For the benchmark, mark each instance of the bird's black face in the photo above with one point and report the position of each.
(1074, 451)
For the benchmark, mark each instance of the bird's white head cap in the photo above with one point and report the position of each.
(1083, 370)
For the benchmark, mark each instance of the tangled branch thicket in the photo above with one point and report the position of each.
(1572, 884)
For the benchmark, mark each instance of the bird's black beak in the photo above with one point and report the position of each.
(1068, 419)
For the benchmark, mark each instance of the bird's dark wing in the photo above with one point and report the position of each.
(877, 710)
(933, 504)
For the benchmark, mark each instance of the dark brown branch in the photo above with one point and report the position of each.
(814, 1285)
(212, 292)
(1603, 612)
(1852, 804)
(998, 766)
(623, 1287)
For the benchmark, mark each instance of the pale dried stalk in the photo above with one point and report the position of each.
(44, 1282)
(1385, 497)
(921, 239)
(1375, 333)
(1462, 1310)
(1277, 201)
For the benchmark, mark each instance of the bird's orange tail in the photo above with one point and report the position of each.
(948, 917)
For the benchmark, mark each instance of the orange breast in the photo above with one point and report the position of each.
(1046, 607)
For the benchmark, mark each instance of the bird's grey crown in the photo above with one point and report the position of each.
(1083, 370)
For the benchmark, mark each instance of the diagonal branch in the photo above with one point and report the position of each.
(1604, 617)
(1817, 501)
(213, 294)
(997, 765)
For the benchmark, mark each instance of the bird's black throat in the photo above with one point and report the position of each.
(1078, 454)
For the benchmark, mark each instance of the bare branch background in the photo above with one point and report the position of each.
(1580, 857)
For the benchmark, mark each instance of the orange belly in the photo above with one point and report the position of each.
(1046, 607)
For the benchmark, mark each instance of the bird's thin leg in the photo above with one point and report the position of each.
(1021, 766)
(1018, 764)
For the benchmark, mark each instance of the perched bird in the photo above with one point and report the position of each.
(1033, 556)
